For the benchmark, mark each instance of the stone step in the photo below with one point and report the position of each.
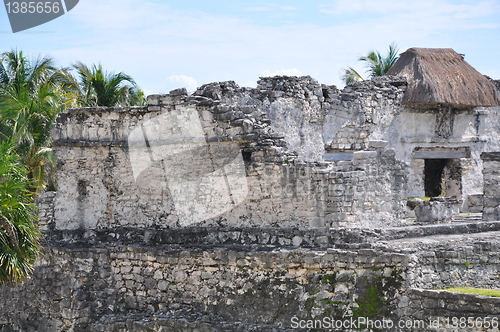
(437, 310)
(476, 217)
(352, 236)
(439, 242)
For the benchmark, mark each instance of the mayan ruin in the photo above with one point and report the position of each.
(275, 208)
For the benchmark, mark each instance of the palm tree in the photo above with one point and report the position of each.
(376, 63)
(32, 93)
(19, 235)
(379, 65)
(100, 88)
(31, 96)
(350, 75)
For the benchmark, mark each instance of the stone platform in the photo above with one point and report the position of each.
(138, 285)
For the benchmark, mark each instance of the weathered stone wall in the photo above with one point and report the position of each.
(97, 186)
(361, 112)
(290, 131)
(308, 181)
(491, 174)
(313, 119)
(457, 261)
(440, 256)
(45, 204)
(434, 310)
(79, 289)
(454, 260)
(473, 131)
(373, 110)
(109, 286)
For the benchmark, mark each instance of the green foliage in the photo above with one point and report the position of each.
(31, 96)
(350, 75)
(329, 279)
(467, 264)
(19, 235)
(100, 88)
(377, 65)
(376, 297)
(330, 302)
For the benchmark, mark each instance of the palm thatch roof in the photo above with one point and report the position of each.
(440, 76)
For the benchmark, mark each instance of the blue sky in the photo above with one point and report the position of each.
(170, 44)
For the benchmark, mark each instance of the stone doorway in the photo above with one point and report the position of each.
(443, 177)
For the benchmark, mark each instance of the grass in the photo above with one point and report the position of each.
(422, 198)
(476, 291)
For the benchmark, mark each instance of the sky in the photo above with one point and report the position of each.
(165, 45)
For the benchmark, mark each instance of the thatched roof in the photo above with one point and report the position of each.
(441, 76)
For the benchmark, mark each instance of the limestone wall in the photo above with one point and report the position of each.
(459, 262)
(448, 311)
(264, 145)
(491, 199)
(89, 289)
(278, 156)
(238, 209)
(110, 286)
(45, 204)
(467, 130)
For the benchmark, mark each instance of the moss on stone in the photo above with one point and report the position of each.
(370, 304)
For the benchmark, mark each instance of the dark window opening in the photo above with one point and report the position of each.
(82, 188)
(433, 176)
(443, 177)
(247, 156)
(326, 95)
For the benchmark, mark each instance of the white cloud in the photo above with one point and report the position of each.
(151, 40)
(464, 9)
(183, 81)
(250, 84)
(283, 72)
(148, 92)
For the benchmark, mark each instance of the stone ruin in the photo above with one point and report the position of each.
(253, 209)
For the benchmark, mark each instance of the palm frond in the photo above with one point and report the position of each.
(101, 88)
(377, 64)
(19, 235)
(350, 75)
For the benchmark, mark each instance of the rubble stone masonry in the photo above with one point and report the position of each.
(255, 209)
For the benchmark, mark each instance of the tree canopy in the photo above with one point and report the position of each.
(100, 88)
(32, 94)
(19, 234)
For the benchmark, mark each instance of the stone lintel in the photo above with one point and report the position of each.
(337, 156)
(490, 156)
(441, 154)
